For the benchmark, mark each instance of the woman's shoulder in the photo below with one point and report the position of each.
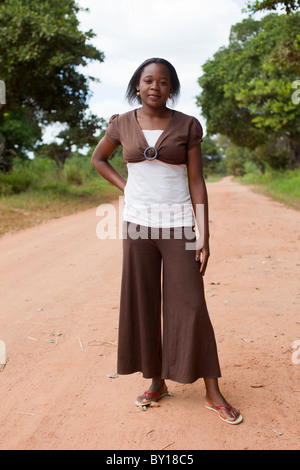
(121, 117)
(191, 128)
(119, 127)
(186, 117)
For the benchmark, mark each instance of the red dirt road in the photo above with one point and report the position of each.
(59, 278)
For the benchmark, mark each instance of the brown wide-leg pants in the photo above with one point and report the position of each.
(185, 348)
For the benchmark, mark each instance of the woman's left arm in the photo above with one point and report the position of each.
(199, 199)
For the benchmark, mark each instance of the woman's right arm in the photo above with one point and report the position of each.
(100, 162)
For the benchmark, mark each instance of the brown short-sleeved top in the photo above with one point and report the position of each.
(182, 134)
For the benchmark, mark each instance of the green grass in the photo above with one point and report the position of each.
(214, 178)
(281, 186)
(36, 191)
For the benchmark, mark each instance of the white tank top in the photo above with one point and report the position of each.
(157, 193)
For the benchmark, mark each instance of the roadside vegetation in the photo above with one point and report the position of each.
(281, 186)
(36, 191)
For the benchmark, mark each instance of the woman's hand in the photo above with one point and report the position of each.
(199, 199)
(202, 256)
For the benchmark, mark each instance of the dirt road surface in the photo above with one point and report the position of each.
(60, 289)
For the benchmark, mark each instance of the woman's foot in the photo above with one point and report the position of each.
(226, 412)
(157, 390)
(215, 401)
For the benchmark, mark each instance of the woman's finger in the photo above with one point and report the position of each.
(204, 261)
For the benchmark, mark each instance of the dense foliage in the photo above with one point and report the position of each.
(287, 5)
(41, 49)
(247, 89)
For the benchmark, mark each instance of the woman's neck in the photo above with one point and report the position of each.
(154, 113)
(154, 119)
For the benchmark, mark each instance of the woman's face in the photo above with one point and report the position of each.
(155, 85)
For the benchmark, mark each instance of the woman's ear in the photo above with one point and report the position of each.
(137, 89)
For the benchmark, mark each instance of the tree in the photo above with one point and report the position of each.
(211, 156)
(19, 131)
(247, 86)
(259, 5)
(79, 136)
(235, 160)
(41, 49)
(269, 95)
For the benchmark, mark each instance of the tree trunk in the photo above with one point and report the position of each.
(1, 157)
(294, 155)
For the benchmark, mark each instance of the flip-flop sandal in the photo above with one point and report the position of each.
(152, 397)
(217, 409)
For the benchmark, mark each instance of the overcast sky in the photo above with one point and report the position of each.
(185, 32)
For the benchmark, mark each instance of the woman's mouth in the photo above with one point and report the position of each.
(154, 97)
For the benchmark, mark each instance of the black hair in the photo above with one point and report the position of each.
(131, 95)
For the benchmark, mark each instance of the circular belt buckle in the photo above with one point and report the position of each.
(153, 150)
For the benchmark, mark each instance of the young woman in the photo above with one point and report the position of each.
(159, 146)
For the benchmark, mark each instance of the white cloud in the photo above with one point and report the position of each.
(185, 32)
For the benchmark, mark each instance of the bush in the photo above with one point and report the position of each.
(55, 187)
(78, 170)
(78, 176)
(44, 169)
(73, 174)
(250, 167)
(5, 188)
(17, 181)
